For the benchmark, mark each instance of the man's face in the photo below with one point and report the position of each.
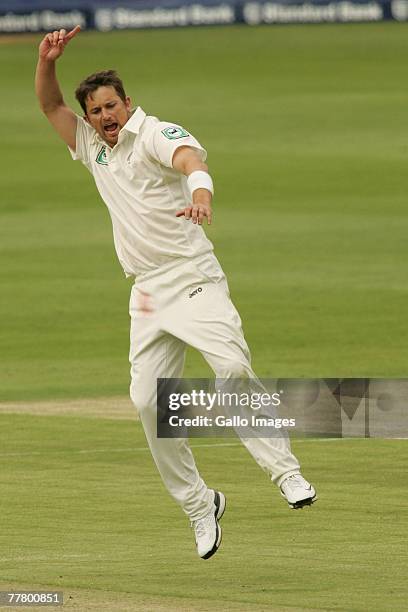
(107, 113)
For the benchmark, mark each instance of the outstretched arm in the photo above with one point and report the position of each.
(187, 161)
(61, 117)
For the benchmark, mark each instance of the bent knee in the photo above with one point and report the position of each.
(143, 401)
(234, 369)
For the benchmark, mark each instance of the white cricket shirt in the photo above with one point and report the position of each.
(143, 192)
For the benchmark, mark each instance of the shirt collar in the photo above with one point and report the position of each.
(133, 125)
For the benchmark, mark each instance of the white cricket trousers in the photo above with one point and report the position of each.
(208, 321)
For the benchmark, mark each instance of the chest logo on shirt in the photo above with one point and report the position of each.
(173, 132)
(101, 157)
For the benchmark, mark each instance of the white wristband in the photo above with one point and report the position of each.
(200, 180)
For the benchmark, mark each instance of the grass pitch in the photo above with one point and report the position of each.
(303, 129)
(86, 513)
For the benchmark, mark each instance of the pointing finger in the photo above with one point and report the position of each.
(73, 32)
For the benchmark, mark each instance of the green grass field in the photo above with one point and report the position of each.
(86, 513)
(305, 128)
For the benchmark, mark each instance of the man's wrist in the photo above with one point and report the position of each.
(200, 180)
(46, 63)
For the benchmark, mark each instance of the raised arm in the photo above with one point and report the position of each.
(52, 104)
(188, 161)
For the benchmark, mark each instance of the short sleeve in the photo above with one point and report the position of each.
(84, 136)
(166, 138)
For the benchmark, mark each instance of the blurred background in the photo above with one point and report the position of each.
(304, 124)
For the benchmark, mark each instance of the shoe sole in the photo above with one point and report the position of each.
(220, 505)
(308, 501)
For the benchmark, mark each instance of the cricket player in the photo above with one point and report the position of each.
(153, 178)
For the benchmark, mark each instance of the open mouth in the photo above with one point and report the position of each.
(110, 128)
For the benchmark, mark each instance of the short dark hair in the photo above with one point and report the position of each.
(104, 78)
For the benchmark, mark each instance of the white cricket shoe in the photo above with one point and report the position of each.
(207, 531)
(297, 491)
